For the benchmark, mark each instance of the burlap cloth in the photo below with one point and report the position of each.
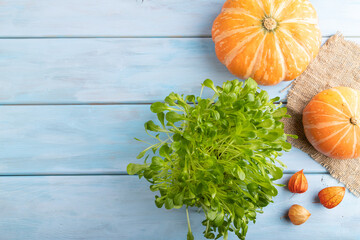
(337, 64)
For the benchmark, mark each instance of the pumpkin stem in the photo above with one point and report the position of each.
(269, 23)
(353, 121)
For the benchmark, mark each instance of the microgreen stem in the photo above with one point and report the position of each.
(226, 235)
(143, 141)
(202, 88)
(175, 109)
(188, 219)
(207, 226)
(214, 97)
(226, 232)
(169, 137)
(229, 144)
(175, 127)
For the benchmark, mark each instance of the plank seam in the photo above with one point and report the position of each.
(90, 104)
(126, 37)
(120, 173)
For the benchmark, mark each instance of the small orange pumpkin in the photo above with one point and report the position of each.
(267, 40)
(331, 122)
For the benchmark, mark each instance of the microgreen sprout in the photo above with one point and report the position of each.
(218, 154)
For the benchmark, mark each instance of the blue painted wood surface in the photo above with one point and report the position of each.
(122, 207)
(128, 18)
(63, 159)
(109, 70)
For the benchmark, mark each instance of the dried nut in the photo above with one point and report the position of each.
(298, 214)
(330, 197)
(298, 183)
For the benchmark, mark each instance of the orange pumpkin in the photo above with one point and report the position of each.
(331, 122)
(267, 40)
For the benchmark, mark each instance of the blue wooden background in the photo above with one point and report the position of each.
(76, 81)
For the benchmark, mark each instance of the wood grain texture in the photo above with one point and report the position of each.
(107, 70)
(85, 139)
(62, 71)
(143, 18)
(122, 207)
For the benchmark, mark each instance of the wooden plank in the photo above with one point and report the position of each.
(143, 18)
(84, 139)
(108, 70)
(122, 207)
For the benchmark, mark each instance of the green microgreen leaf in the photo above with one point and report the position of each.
(161, 117)
(280, 112)
(133, 168)
(178, 200)
(169, 203)
(158, 107)
(174, 117)
(208, 83)
(151, 126)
